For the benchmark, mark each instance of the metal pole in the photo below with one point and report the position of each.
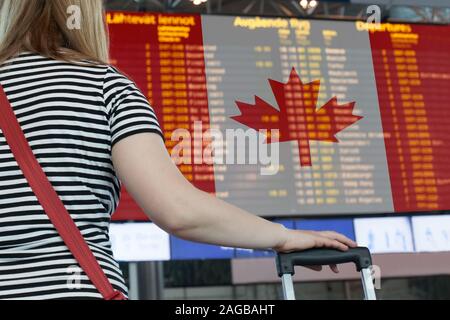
(261, 7)
(133, 279)
(151, 276)
(348, 291)
(367, 281)
(288, 287)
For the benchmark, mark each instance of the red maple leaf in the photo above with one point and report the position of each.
(298, 118)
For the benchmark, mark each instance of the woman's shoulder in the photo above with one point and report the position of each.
(115, 77)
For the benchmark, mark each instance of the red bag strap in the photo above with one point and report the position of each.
(52, 204)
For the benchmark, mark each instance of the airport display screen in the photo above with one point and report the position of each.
(144, 241)
(338, 118)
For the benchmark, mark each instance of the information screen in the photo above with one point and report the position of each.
(385, 235)
(359, 113)
(139, 242)
(431, 233)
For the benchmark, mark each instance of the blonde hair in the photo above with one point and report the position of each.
(41, 26)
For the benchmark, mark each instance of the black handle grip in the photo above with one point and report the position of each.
(286, 262)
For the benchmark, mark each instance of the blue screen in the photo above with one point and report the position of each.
(344, 226)
(187, 250)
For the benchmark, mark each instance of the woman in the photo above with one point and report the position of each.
(88, 125)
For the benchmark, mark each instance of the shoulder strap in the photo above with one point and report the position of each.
(49, 200)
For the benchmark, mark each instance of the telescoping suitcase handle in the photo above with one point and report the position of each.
(360, 256)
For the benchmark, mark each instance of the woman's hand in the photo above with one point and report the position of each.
(298, 240)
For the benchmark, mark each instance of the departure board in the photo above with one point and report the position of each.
(412, 69)
(301, 117)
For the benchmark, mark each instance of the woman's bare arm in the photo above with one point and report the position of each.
(144, 166)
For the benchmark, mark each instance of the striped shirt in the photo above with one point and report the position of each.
(72, 115)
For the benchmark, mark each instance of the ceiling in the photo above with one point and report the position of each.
(431, 11)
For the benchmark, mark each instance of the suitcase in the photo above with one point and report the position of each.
(360, 256)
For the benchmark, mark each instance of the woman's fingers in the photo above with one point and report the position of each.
(339, 237)
(335, 236)
(334, 268)
(330, 243)
(298, 240)
(315, 268)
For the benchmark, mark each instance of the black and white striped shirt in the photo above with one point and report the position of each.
(71, 115)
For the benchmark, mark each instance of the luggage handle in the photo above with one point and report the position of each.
(286, 262)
